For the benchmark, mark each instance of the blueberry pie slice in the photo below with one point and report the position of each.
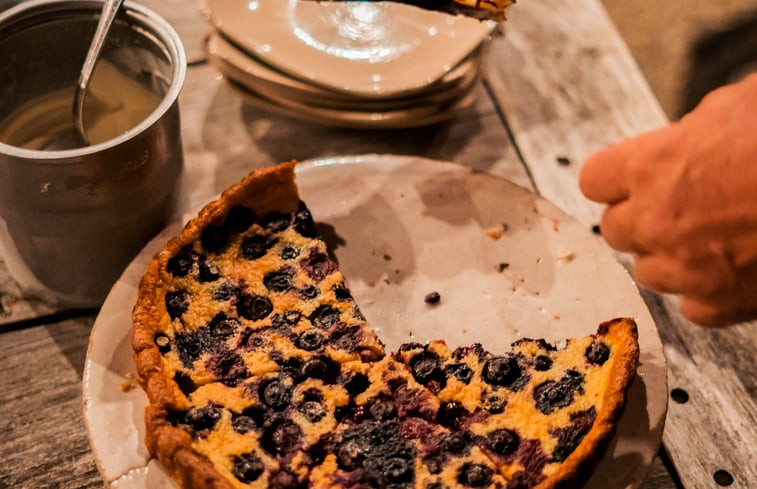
(261, 372)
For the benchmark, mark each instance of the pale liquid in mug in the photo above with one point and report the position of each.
(114, 104)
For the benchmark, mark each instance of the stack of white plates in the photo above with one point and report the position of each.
(348, 64)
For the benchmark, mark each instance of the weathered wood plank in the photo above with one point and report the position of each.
(43, 443)
(568, 86)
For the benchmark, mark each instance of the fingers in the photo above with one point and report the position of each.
(617, 225)
(602, 176)
(666, 274)
(713, 315)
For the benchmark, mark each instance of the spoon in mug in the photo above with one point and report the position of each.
(107, 16)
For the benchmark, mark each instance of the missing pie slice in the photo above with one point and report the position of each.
(262, 372)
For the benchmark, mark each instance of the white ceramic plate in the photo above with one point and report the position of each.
(364, 48)
(353, 119)
(402, 227)
(255, 75)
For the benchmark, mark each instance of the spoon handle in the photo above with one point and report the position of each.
(108, 14)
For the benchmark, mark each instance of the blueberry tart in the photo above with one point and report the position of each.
(261, 372)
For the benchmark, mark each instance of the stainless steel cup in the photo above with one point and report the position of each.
(71, 220)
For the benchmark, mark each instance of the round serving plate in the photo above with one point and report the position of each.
(401, 227)
(256, 75)
(351, 119)
(366, 49)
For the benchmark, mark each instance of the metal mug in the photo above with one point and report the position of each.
(71, 220)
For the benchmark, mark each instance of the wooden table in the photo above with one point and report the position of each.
(560, 84)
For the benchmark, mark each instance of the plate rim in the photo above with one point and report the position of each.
(363, 89)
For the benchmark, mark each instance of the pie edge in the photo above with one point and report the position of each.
(273, 189)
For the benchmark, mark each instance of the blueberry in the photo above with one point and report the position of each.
(222, 326)
(256, 246)
(432, 298)
(303, 221)
(474, 475)
(570, 437)
(227, 366)
(356, 384)
(341, 293)
(349, 454)
(275, 394)
(425, 367)
(319, 368)
(253, 307)
(597, 353)
(347, 339)
(185, 383)
(205, 339)
(397, 470)
(239, 219)
(162, 342)
(313, 410)
(377, 455)
(247, 468)
(309, 292)
(409, 347)
(248, 420)
(325, 316)
(181, 264)
(309, 340)
(382, 409)
(541, 343)
(280, 280)
(461, 371)
(495, 404)
(203, 419)
(189, 346)
(542, 363)
(502, 441)
(276, 222)
(177, 302)
(281, 437)
(213, 238)
(502, 371)
(289, 253)
(209, 272)
(454, 443)
(434, 464)
(224, 292)
(317, 265)
(283, 480)
(452, 414)
(551, 395)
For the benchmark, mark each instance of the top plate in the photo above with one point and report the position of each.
(401, 227)
(367, 49)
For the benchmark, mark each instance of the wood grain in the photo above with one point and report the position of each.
(43, 443)
(565, 98)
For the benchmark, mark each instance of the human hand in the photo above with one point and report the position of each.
(683, 199)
